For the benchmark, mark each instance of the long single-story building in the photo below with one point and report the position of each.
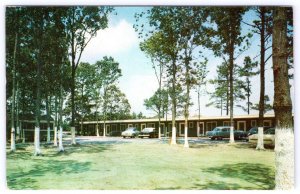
(196, 127)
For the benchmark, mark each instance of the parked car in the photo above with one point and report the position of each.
(224, 132)
(269, 138)
(114, 133)
(130, 132)
(148, 132)
(254, 130)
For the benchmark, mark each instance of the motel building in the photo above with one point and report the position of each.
(196, 127)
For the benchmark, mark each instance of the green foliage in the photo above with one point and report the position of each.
(268, 106)
(158, 101)
(117, 105)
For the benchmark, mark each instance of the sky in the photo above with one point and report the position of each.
(138, 82)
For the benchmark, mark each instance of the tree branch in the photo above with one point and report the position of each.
(268, 58)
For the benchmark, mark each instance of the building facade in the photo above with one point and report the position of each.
(196, 127)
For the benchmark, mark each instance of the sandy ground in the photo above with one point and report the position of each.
(114, 163)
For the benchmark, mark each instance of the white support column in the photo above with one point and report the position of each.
(37, 150)
(55, 136)
(260, 139)
(73, 136)
(60, 144)
(12, 140)
(173, 140)
(231, 135)
(186, 142)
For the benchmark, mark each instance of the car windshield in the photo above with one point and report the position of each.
(130, 129)
(270, 131)
(148, 130)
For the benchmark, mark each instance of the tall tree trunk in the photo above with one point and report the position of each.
(187, 102)
(73, 142)
(231, 64)
(104, 111)
(60, 120)
(55, 122)
(186, 115)
(48, 118)
(227, 97)
(17, 110)
(173, 96)
(260, 139)
(199, 109)
(39, 44)
(73, 54)
(248, 96)
(37, 150)
(12, 134)
(97, 121)
(60, 143)
(284, 133)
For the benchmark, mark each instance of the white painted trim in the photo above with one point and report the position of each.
(198, 128)
(181, 134)
(252, 121)
(107, 128)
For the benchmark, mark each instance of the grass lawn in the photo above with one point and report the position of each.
(141, 165)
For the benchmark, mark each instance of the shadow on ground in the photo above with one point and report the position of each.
(258, 175)
(25, 180)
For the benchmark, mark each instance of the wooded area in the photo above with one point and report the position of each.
(46, 77)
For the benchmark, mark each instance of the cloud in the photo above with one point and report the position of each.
(137, 88)
(116, 39)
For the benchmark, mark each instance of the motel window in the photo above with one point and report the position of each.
(114, 127)
(267, 123)
(241, 125)
(191, 125)
(130, 125)
(226, 123)
(253, 123)
(211, 125)
(143, 126)
(151, 125)
(123, 127)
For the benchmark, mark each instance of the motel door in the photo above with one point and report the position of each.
(200, 129)
(181, 129)
(107, 129)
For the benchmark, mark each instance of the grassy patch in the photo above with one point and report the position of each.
(137, 165)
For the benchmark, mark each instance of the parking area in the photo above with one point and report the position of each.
(179, 140)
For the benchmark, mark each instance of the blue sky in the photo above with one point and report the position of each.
(138, 82)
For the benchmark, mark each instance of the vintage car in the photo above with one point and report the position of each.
(130, 132)
(269, 138)
(224, 132)
(148, 132)
(254, 130)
